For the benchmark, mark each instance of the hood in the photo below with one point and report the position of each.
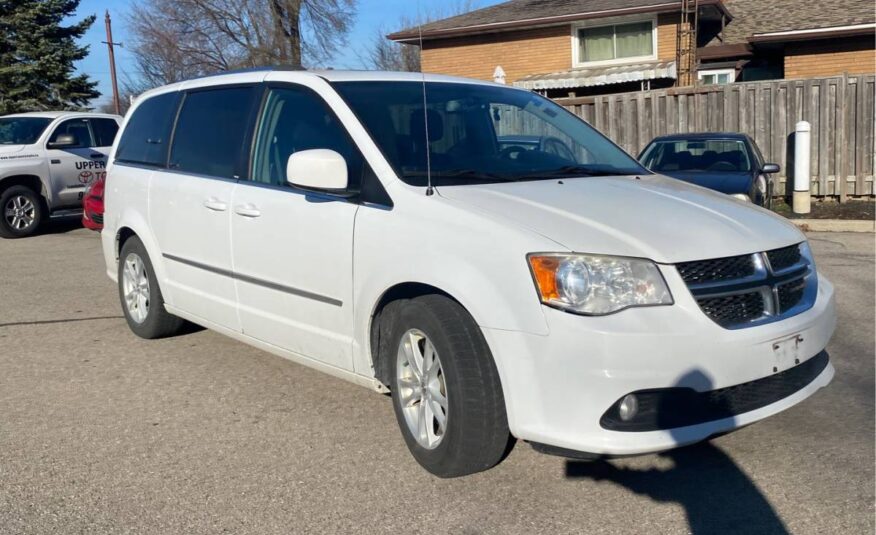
(655, 217)
(9, 149)
(723, 182)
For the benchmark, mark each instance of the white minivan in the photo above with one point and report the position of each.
(386, 228)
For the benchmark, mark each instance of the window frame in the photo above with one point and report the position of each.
(577, 61)
(730, 72)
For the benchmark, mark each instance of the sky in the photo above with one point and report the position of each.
(371, 16)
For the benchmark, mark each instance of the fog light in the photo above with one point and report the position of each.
(629, 406)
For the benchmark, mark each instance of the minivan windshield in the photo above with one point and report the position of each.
(22, 130)
(472, 133)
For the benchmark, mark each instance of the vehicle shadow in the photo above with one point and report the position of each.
(717, 496)
(60, 225)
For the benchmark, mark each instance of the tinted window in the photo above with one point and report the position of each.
(22, 130)
(211, 131)
(104, 131)
(146, 135)
(78, 128)
(297, 119)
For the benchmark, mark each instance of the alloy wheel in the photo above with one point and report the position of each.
(421, 389)
(20, 212)
(135, 285)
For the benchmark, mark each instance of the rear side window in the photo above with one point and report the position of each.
(145, 138)
(105, 131)
(211, 132)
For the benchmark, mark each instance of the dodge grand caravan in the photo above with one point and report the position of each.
(378, 227)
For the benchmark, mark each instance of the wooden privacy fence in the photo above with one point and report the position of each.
(840, 109)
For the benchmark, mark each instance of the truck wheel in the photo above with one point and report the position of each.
(22, 211)
(140, 295)
(445, 389)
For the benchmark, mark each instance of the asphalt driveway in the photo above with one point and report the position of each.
(101, 432)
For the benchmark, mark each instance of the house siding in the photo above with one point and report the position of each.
(819, 58)
(522, 53)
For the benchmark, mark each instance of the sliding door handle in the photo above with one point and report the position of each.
(247, 210)
(215, 204)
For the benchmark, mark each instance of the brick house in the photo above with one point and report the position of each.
(586, 47)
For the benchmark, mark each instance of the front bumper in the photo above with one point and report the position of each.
(558, 387)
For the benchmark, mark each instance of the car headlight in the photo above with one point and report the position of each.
(741, 196)
(597, 285)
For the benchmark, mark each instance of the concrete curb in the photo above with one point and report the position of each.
(834, 225)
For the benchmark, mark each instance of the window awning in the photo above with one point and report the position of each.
(615, 74)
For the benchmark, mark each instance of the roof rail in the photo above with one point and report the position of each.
(251, 69)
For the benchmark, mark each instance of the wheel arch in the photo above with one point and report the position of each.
(27, 180)
(129, 228)
(394, 294)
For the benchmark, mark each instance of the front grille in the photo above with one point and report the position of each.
(790, 294)
(733, 309)
(670, 408)
(716, 269)
(782, 259)
(748, 290)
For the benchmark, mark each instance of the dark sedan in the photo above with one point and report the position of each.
(726, 162)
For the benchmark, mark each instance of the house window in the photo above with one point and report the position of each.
(616, 42)
(717, 76)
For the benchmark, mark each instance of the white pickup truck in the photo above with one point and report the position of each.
(46, 161)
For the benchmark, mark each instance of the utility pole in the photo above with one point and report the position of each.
(112, 60)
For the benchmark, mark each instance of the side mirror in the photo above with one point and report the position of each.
(318, 169)
(771, 168)
(64, 141)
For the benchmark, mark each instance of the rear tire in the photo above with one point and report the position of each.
(21, 212)
(140, 295)
(457, 392)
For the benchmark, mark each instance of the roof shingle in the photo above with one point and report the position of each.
(749, 16)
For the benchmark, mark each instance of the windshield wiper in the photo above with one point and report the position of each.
(472, 174)
(571, 171)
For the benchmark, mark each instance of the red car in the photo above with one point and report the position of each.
(92, 205)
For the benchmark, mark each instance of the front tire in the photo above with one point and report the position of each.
(446, 392)
(140, 295)
(21, 212)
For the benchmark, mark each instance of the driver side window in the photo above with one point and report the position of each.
(295, 119)
(78, 128)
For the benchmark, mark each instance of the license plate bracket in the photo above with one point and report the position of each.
(786, 353)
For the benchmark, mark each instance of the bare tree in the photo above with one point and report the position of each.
(174, 40)
(386, 55)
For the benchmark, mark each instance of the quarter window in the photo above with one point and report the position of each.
(145, 138)
(211, 132)
(616, 42)
(296, 119)
(78, 128)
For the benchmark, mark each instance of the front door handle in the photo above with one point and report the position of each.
(215, 204)
(247, 210)
(98, 155)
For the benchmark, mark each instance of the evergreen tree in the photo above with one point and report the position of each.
(37, 56)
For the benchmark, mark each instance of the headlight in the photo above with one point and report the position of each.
(597, 285)
(741, 196)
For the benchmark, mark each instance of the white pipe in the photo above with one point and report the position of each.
(802, 171)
